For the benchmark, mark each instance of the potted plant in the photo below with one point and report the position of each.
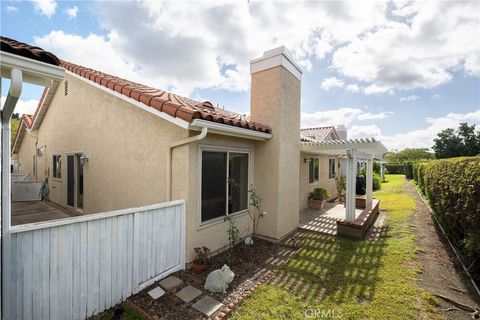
(341, 186)
(201, 259)
(317, 198)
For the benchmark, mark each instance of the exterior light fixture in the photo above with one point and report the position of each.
(83, 159)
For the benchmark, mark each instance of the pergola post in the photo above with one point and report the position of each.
(382, 171)
(351, 181)
(369, 174)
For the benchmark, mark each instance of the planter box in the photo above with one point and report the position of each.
(358, 228)
(316, 204)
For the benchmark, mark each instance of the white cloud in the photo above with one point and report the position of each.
(11, 9)
(338, 116)
(364, 131)
(434, 40)
(23, 106)
(373, 116)
(201, 52)
(373, 89)
(45, 7)
(332, 82)
(352, 88)
(72, 12)
(409, 98)
(363, 40)
(436, 96)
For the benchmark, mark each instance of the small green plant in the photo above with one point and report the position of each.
(44, 190)
(255, 210)
(341, 187)
(201, 255)
(233, 238)
(318, 194)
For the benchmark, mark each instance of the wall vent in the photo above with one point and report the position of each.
(66, 87)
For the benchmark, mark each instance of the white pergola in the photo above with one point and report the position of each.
(367, 149)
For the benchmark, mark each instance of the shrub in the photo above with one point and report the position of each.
(377, 182)
(394, 168)
(360, 185)
(318, 194)
(452, 187)
(408, 168)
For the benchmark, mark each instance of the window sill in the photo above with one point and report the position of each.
(214, 222)
(56, 179)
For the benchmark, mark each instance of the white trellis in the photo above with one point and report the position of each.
(354, 150)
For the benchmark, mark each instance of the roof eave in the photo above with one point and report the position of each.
(228, 130)
(33, 71)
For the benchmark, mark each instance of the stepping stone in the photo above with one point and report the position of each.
(170, 283)
(156, 292)
(188, 293)
(207, 306)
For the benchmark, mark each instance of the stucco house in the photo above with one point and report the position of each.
(106, 143)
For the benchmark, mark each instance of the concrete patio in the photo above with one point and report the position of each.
(324, 221)
(24, 212)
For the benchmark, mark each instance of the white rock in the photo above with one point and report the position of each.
(218, 280)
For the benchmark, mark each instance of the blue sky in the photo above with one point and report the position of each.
(399, 70)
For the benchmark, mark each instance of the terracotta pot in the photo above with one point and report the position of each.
(198, 268)
(316, 204)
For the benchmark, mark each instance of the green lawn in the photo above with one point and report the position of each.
(351, 279)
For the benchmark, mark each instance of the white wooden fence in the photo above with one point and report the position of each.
(26, 191)
(77, 267)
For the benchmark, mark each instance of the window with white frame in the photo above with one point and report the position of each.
(224, 185)
(313, 170)
(57, 166)
(332, 169)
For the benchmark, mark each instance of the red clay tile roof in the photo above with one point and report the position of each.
(27, 51)
(28, 120)
(172, 104)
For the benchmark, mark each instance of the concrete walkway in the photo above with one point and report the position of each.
(24, 212)
(324, 221)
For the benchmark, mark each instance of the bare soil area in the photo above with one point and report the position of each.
(442, 273)
(252, 266)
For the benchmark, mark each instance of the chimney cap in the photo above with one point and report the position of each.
(279, 56)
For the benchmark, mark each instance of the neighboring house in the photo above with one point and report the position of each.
(318, 171)
(106, 143)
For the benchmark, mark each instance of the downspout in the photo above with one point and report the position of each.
(198, 137)
(6, 113)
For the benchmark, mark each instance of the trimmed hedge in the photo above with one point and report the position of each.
(452, 187)
(394, 168)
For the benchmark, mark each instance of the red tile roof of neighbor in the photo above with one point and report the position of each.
(316, 134)
(27, 51)
(172, 104)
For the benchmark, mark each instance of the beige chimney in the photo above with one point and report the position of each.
(275, 101)
(341, 132)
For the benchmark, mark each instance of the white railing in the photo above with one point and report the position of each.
(20, 177)
(77, 267)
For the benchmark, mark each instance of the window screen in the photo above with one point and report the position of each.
(238, 182)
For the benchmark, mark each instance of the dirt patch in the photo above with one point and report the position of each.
(441, 274)
(253, 265)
